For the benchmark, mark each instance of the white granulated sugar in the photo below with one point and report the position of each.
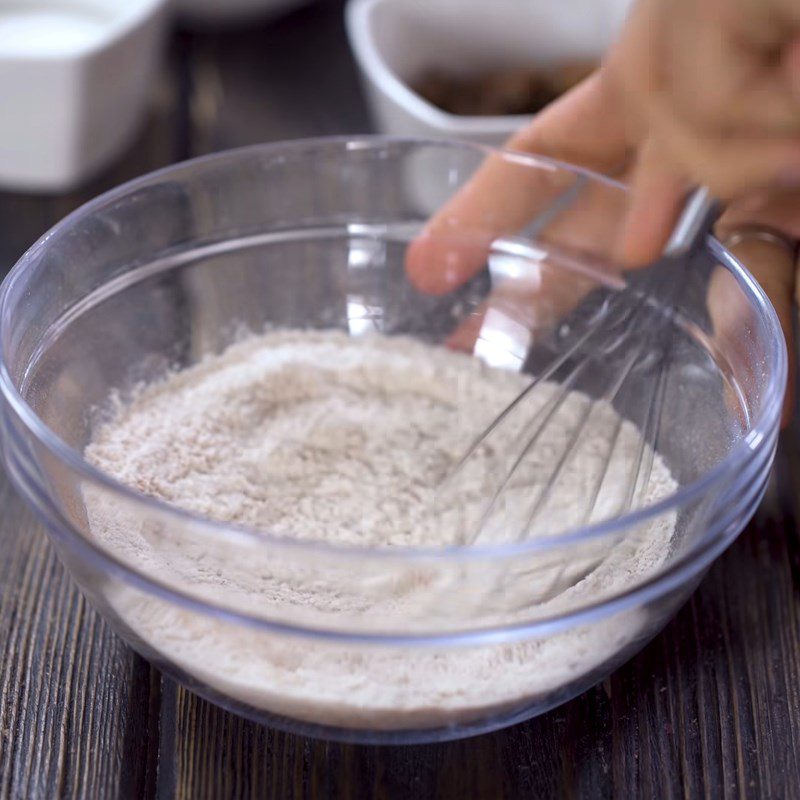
(317, 436)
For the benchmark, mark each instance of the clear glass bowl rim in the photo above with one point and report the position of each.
(743, 452)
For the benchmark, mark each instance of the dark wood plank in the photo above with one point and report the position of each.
(74, 698)
(293, 77)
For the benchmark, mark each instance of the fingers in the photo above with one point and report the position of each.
(779, 209)
(774, 270)
(729, 166)
(719, 81)
(504, 196)
(583, 128)
(791, 67)
(440, 260)
(711, 90)
(657, 195)
(658, 185)
(772, 265)
(525, 305)
(723, 68)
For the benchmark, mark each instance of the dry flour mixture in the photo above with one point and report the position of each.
(318, 436)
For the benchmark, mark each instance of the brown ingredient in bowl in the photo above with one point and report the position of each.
(502, 92)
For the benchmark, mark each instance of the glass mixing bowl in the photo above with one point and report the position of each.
(172, 267)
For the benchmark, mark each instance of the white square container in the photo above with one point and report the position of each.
(74, 80)
(395, 41)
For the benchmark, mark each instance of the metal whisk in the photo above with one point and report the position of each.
(629, 333)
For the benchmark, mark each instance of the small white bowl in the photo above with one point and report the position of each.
(74, 80)
(396, 41)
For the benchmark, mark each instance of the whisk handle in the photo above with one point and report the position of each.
(695, 223)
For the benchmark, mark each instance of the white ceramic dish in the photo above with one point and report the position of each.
(74, 80)
(394, 41)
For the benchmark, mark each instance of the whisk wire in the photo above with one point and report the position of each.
(638, 475)
(538, 423)
(608, 330)
(629, 308)
(572, 444)
(547, 373)
(609, 396)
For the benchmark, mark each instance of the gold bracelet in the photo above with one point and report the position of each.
(762, 233)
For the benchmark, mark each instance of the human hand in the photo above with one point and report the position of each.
(581, 128)
(762, 231)
(710, 91)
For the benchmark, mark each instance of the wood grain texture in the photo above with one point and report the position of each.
(711, 708)
(74, 698)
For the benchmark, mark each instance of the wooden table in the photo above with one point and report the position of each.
(710, 709)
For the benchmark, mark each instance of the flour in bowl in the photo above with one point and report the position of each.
(319, 437)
